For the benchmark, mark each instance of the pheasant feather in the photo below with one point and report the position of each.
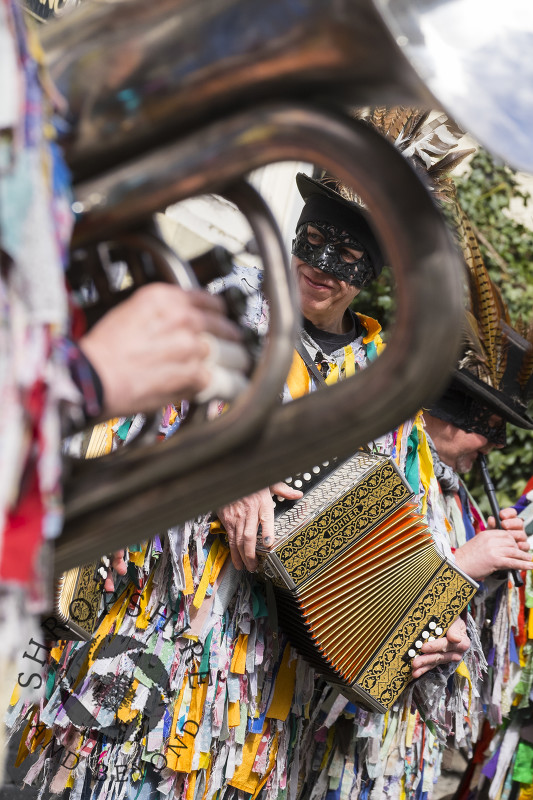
(430, 145)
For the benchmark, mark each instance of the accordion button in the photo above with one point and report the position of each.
(418, 643)
(411, 653)
(432, 626)
(316, 470)
(298, 484)
(425, 634)
(438, 631)
(288, 480)
(279, 498)
(325, 463)
(307, 476)
(431, 639)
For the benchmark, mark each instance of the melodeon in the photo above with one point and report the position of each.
(359, 582)
(76, 604)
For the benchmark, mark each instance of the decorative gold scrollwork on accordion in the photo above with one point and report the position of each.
(358, 580)
(352, 515)
(386, 676)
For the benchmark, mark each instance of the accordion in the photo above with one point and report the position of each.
(76, 604)
(359, 583)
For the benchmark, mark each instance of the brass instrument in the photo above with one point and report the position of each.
(177, 98)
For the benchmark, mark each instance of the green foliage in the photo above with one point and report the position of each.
(377, 300)
(485, 194)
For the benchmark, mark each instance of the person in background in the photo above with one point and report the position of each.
(470, 419)
(135, 706)
(503, 755)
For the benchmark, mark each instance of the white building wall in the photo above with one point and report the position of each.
(194, 225)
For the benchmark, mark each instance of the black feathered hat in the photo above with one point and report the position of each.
(494, 372)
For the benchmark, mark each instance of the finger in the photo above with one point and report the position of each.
(508, 513)
(248, 544)
(519, 535)
(226, 354)
(169, 317)
(118, 563)
(267, 523)
(436, 646)
(222, 384)
(525, 546)
(448, 650)
(167, 295)
(516, 562)
(446, 645)
(457, 628)
(512, 524)
(109, 585)
(213, 314)
(221, 327)
(233, 538)
(456, 631)
(422, 664)
(491, 523)
(284, 490)
(207, 302)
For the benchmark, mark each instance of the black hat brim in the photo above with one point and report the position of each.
(499, 403)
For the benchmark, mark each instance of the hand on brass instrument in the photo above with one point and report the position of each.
(449, 648)
(152, 349)
(115, 562)
(496, 548)
(242, 519)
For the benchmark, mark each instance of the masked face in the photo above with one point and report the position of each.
(335, 252)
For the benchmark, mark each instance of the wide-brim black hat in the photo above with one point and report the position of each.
(473, 379)
(346, 214)
(509, 399)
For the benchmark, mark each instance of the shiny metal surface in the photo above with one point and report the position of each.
(89, 484)
(132, 495)
(476, 58)
(138, 73)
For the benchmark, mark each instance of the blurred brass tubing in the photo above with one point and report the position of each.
(132, 495)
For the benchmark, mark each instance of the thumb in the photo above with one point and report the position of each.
(456, 631)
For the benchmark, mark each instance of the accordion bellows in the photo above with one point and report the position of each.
(358, 580)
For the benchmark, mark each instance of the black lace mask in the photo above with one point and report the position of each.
(330, 251)
(471, 416)
(482, 420)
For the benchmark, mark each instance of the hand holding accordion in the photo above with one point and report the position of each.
(359, 583)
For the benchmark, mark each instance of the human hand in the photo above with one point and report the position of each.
(510, 521)
(153, 349)
(496, 548)
(242, 518)
(117, 563)
(449, 648)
